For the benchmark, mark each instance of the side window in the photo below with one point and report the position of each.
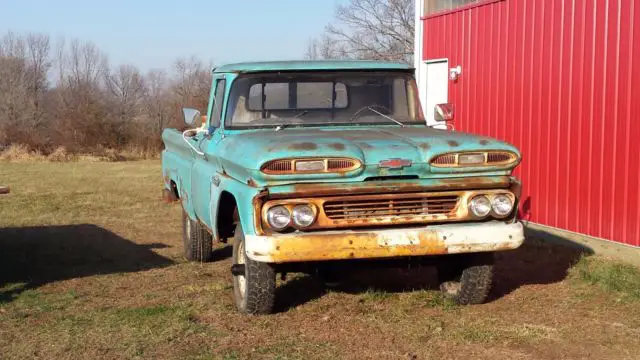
(216, 110)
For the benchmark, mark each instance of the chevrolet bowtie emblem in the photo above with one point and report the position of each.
(394, 163)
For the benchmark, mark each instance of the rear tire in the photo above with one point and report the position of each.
(466, 279)
(197, 242)
(255, 291)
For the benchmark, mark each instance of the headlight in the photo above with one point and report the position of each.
(480, 206)
(278, 217)
(303, 215)
(502, 205)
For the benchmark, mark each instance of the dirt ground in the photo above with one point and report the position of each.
(91, 267)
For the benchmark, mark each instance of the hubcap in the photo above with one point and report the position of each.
(242, 282)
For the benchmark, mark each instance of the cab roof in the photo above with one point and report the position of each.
(305, 65)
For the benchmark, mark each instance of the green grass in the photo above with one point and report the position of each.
(615, 277)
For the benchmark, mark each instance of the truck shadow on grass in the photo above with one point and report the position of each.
(34, 256)
(536, 262)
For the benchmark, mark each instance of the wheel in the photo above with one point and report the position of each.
(196, 240)
(255, 290)
(466, 278)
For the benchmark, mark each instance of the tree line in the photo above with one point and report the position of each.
(69, 96)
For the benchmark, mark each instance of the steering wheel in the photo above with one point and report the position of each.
(368, 107)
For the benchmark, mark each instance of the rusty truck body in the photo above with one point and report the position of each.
(304, 165)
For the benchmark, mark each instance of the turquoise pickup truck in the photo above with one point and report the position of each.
(309, 166)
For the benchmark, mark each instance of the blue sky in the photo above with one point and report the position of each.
(151, 34)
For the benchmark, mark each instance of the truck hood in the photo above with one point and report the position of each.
(244, 153)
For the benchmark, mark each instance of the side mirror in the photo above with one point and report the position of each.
(191, 117)
(443, 112)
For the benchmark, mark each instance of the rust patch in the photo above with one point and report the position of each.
(366, 146)
(337, 146)
(484, 142)
(425, 146)
(346, 246)
(167, 195)
(303, 146)
(328, 189)
(257, 201)
(453, 143)
(454, 208)
(251, 183)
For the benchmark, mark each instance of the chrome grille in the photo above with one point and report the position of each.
(405, 206)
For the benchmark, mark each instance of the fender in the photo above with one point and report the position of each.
(178, 169)
(244, 195)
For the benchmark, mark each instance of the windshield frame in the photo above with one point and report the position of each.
(413, 99)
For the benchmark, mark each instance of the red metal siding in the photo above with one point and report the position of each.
(561, 81)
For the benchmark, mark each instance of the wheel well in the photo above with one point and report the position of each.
(227, 216)
(174, 189)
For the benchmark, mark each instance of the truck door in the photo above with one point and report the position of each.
(207, 166)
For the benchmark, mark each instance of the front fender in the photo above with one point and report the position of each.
(244, 195)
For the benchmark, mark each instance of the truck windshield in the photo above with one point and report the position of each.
(313, 99)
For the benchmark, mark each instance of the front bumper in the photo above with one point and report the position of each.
(367, 244)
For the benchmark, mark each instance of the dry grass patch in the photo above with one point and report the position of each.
(91, 267)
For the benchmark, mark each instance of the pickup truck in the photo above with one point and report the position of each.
(308, 166)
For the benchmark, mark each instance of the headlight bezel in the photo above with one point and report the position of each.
(492, 212)
(290, 208)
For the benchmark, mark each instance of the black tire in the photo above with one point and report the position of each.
(258, 292)
(466, 278)
(197, 242)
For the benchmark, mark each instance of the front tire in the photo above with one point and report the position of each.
(197, 242)
(466, 279)
(255, 290)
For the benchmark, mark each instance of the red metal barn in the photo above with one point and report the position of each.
(560, 79)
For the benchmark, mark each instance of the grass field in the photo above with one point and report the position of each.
(91, 267)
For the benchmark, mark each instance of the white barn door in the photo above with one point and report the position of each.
(435, 90)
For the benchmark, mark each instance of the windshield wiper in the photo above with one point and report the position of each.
(385, 116)
(297, 116)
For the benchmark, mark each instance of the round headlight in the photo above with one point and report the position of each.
(303, 215)
(480, 206)
(502, 205)
(278, 217)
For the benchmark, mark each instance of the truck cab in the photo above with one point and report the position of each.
(307, 165)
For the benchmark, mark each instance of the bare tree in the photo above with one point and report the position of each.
(81, 113)
(39, 63)
(368, 29)
(24, 63)
(89, 106)
(192, 82)
(126, 89)
(157, 100)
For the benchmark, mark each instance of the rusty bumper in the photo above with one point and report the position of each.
(366, 244)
